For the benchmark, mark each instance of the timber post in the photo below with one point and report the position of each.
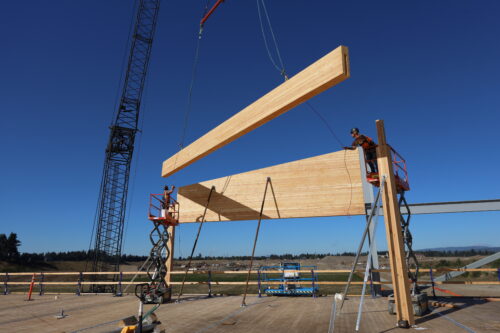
(392, 218)
(170, 260)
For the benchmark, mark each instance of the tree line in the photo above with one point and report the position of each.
(29, 258)
(456, 253)
(9, 251)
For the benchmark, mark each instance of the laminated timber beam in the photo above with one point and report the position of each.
(318, 77)
(324, 185)
(395, 244)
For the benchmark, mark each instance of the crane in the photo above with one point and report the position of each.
(120, 147)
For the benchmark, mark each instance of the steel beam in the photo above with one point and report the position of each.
(475, 264)
(451, 207)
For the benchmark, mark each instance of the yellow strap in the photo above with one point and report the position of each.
(128, 329)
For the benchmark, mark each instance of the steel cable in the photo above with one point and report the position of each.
(268, 181)
(188, 266)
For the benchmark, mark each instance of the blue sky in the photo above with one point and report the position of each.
(429, 69)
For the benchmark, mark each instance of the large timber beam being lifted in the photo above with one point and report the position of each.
(318, 77)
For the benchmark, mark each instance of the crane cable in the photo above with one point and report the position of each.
(281, 69)
(191, 84)
(189, 103)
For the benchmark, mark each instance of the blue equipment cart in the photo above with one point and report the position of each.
(290, 277)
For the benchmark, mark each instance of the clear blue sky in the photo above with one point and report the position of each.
(430, 69)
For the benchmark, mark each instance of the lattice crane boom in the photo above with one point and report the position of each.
(114, 186)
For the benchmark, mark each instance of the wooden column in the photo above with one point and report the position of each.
(392, 218)
(170, 261)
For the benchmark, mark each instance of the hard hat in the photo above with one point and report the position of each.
(354, 130)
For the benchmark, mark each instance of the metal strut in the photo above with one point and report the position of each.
(408, 240)
(188, 266)
(207, 15)
(373, 213)
(268, 181)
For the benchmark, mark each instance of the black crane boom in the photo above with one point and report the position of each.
(114, 186)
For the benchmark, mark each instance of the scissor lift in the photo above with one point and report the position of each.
(290, 280)
(163, 212)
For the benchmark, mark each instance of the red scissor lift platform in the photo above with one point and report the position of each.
(400, 172)
(163, 210)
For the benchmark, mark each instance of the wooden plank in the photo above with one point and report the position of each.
(324, 185)
(392, 218)
(318, 77)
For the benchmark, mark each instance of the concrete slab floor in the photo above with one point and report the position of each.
(101, 313)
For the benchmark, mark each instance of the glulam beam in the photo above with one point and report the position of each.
(324, 185)
(318, 77)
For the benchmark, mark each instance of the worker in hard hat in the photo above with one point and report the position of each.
(369, 147)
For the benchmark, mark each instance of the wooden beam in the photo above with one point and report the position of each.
(324, 185)
(318, 77)
(392, 218)
(170, 248)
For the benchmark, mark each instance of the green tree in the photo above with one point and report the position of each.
(8, 247)
(3, 247)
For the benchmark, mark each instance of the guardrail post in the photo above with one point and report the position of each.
(5, 284)
(258, 283)
(209, 283)
(79, 286)
(432, 282)
(40, 284)
(313, 278)
(119, 289)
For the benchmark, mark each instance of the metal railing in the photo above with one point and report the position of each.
(158, 208)
(399, 168)
(41, 278)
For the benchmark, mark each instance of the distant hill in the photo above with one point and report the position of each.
(463, 248)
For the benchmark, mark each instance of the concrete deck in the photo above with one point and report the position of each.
(224, 314)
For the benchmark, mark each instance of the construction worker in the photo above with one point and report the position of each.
(369, 147)
(166, 200)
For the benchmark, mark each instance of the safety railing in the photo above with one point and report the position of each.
(41, 280)
(399, 169)
(159, 209)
